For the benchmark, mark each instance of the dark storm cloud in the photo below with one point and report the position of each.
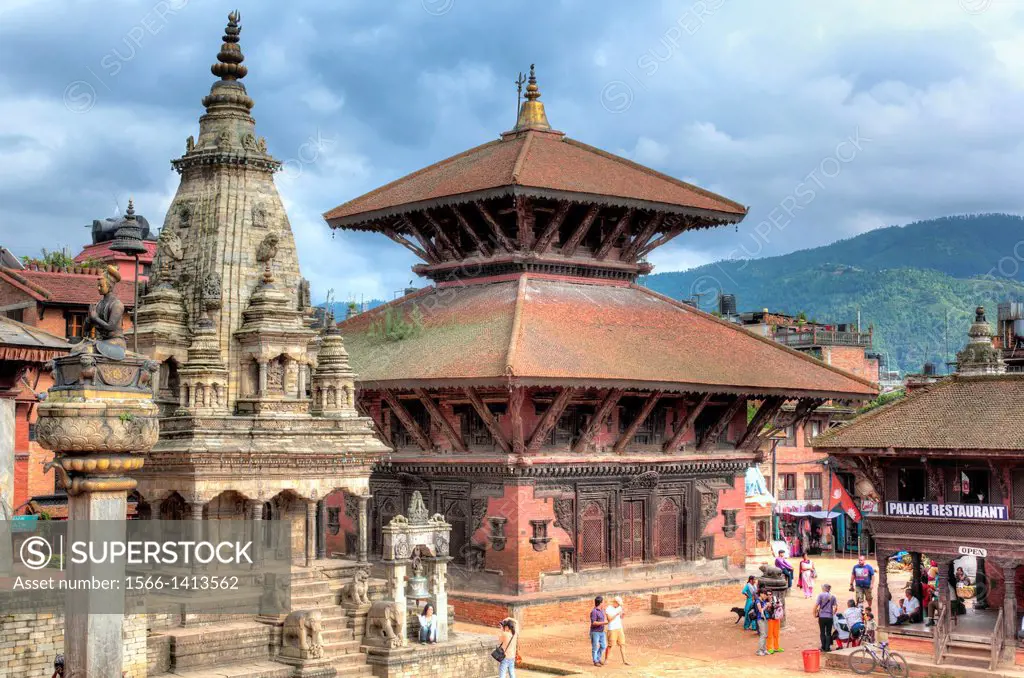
(750, 99)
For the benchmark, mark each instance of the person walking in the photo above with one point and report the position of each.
(750, 591)
(614, 631)
(760, 615)
(861, 579)
(598, 622)
(825, 609)
(774, 611)
(510, 644)
(807, 575)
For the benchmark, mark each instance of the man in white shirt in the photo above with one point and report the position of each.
(909, 611)
(616, 636)
(894, 612)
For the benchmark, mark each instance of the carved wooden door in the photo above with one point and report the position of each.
(632, 531)
(593, 547)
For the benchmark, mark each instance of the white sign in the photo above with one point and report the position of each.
(972, 551)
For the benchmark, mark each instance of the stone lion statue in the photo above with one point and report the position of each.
(302, 635)
(385, 625)
(357, 592)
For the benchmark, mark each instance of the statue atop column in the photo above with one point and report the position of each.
(105, 320)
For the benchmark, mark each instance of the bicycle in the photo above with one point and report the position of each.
(867, 657)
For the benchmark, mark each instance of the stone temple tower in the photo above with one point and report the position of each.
(251, 425)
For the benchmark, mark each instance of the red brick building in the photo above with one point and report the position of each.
(103, 232)
(23, 352)
(578, 430)
(57, 302)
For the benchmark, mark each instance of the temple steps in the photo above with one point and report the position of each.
(263, 669)
(967, 653)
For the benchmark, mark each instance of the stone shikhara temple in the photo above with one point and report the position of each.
(259, 418)
(575, 428)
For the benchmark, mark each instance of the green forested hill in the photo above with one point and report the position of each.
(906, 281)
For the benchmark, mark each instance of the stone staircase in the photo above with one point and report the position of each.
(674, 604)
(967, 653)
(244, 649)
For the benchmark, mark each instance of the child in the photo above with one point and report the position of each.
(869, 626)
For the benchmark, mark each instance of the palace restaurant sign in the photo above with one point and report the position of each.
(932, 510)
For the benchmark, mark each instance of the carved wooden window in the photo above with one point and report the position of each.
(593, 535)
(457, 514)
(787, 486)
(666, 528)
(570, 426)
(762, 531)
(474, 431)
(971, 486)
(652, 430)
(812, 486)
(632, 529)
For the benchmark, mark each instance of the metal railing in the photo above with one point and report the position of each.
(817, 337)
(787, 494)
(812, 493)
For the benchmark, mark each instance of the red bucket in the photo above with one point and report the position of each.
(812, 661)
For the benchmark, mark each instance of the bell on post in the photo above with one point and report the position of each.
(417, 582)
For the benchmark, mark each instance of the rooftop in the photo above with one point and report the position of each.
(542, 330)
(52, 285)
(984, 412)
(25, 343)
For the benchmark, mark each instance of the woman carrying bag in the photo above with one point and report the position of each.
(507, 651)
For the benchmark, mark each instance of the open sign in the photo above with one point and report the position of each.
(972, 551)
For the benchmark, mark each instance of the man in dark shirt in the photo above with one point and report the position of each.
(598, 641)
(861, 579)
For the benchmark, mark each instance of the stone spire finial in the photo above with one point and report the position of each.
(531, 113)
(129, 214)
(980, 356)
(229, 59)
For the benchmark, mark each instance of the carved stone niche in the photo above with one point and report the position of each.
(729, 528)
(540, 536)
(497, 535)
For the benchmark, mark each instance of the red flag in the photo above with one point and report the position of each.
(841, 500)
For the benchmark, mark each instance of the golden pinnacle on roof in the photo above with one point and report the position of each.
(229, 59)
(531, 113)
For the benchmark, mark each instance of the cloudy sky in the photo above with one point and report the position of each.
(828, 119)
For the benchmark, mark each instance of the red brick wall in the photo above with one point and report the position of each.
(734, 548)
(336, 542)
(851, 359)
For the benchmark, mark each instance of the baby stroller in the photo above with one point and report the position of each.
(846, 636)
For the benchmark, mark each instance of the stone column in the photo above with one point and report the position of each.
(882, 604)
(95, 429)
(256, 514)
(7, 424)
(1010, 602)
(310, 532)
(196, 514)
(439, 593)
(302, 381)
(364, 528)
(262, 388)
(321, 530)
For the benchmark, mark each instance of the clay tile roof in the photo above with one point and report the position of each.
(102, 252)
(543, 161)
(957, 413)
(62, 287)
(546, 331)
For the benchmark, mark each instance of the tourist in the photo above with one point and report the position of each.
(614, 631)
(787, 569)
(807, 575)
(825, 609)
(910, 609)
(510, 644)
(58, 666)
(854, 619)
(870, 627)
(861, 579)
(750, 591)
(598, 640)
(760, 614)
(961, 577)
(894, 611)
(773, 615)
(428, 625)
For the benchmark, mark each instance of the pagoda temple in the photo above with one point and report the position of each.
(258, 407)
(575, 428)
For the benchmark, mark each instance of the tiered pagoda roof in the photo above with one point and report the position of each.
(535, 242)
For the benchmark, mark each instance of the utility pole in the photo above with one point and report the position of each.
(775, 481)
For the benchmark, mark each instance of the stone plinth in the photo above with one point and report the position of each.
(468, 656)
